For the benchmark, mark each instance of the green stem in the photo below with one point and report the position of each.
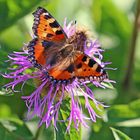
(38, 132)
(129, 71)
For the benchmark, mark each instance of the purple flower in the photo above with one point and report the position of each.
(46, 100)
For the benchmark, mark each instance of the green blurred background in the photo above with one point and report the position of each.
(113, 23)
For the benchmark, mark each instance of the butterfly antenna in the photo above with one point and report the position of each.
(75, 23)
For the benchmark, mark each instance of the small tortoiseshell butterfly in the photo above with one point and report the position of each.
(62, 57)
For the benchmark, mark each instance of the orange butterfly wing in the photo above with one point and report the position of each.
(83, 67)
(40, 52)
(47, 32)
(46, 27)
(86, 67)
(36, 53)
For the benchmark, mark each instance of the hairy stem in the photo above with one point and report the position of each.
(129, 71)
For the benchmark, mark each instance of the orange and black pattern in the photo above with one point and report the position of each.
(46, 27)
(83, 67)
(51, 47)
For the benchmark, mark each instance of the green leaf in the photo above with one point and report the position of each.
(129, 123)
(14, 130)
(135, 105)
(99, 109)
(118, 135)
(125, 115)
(61, 133)
(108, 85)
(12, 10)
(123, 112)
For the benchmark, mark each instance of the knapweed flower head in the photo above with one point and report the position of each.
(63, 62)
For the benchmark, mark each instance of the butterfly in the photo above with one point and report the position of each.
(62, 57)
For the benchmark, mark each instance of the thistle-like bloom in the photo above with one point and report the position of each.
(45, 102)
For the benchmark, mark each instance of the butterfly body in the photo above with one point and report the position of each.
(62, 57)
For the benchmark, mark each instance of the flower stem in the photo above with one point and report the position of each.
(129, 71)
(38, 132)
